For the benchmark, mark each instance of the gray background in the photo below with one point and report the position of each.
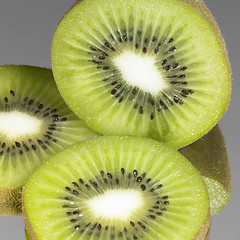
(26, 30)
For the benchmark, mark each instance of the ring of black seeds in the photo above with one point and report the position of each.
(87, 187)
(29, 106)
(175, 73)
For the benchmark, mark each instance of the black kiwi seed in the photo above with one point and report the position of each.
(113, 91)
(143, 187)
(81, 181)
(75, 184)
(135, 173)
(156, 50)
(176, 65)
(132, 223)
(183, 69)
(164, 62)
(18, 145)
(75, 192)
(152, 216)
(34, 148)
(93, 48)
(139, 179)
(109, 175)
(77, 227)
(172, 49)
(149, 180)
(99, 226)
(165, 197)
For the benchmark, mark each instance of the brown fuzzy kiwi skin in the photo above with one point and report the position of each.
(11, 202)
(210, 156)
(29, 232)
(204, 230)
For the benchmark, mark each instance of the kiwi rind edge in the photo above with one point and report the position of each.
(29, 232)
(204, 230)
(11, 202)
(201, 7)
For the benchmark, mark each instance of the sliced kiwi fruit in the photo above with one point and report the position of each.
(115, 187)
(156, 69)
(35, 123)
(209, 155)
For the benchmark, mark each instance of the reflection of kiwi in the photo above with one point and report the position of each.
(35, 123)
(157, 69)
(116, 188)
(209, 155)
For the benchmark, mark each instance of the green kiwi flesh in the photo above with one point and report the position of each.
(156, 69)
(116, 187)
(209, 155)
(35, 123)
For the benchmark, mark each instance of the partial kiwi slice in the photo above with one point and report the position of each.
(156, 69)
(35, 123)
(209, 155)
(116, 188)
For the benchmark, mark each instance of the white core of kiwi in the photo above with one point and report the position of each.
(140, 71)
(116, 204)
(16, 124)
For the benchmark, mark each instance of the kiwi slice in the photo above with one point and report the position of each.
(156, 69)
(35, 123)
(116, 188)
(209, 155)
